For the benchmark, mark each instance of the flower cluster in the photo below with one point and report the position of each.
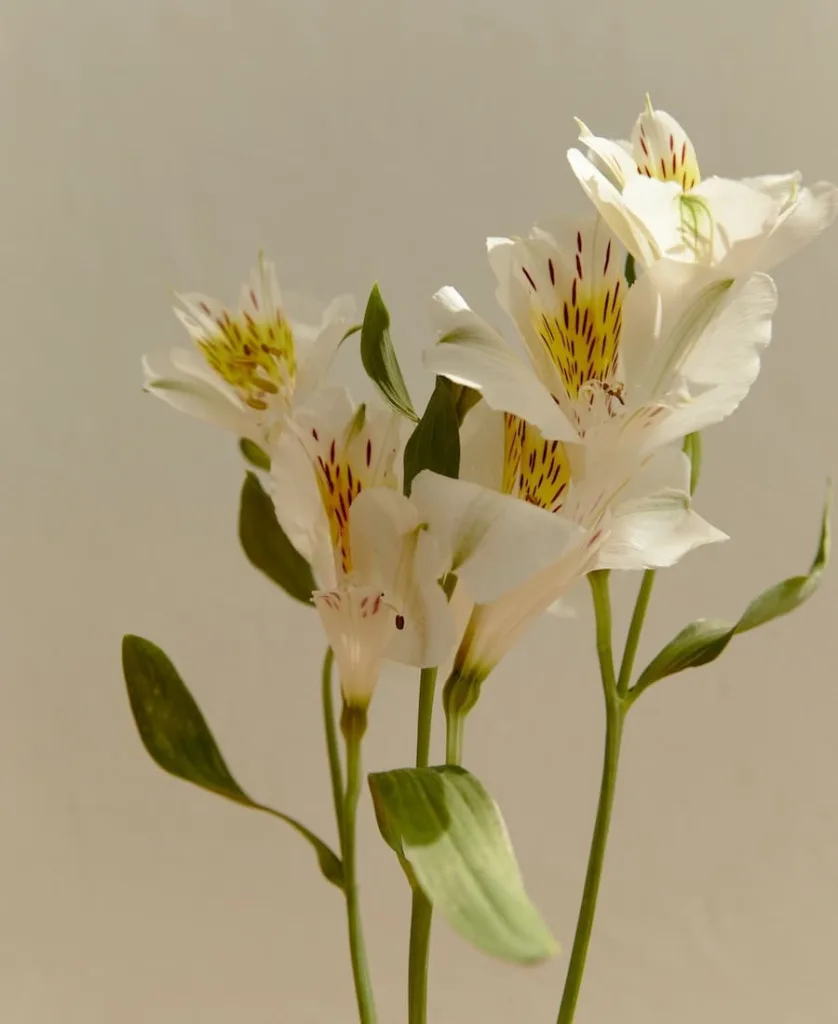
(631, 328)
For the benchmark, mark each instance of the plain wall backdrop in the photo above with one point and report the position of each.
(157, 144)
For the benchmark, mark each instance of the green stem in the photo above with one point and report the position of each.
(455, 722)
(641, 606)
(421, 910)
(615, 710)
(330, 729)
(353, 726)
(421, 913)
(425, 716)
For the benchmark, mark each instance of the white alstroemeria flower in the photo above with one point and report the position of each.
(650, 192)
(247, 370)
(335, 492)
(516, 555)
(603, 365)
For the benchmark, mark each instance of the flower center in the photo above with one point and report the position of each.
(535, 470)
(256, 357)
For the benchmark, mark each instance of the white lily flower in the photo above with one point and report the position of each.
(247, 370)
(601, 364)
(651, 193)
(516, 554)
(335, 492)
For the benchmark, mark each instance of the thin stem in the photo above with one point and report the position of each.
(455, 722)
(330, 730)
(421, 910)
(614, 718)
(641, 606)
(602, 611)
(425, 715)
(421, 913)
(353, 725)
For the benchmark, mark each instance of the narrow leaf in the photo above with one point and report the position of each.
(435, 442)
(267, 545)
(178, 739)
(704, 640)
(379, 356)
(354, 329)
(450, 836)
(254, 454)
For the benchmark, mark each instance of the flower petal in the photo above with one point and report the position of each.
(482, 439)
(472, 353)
(635, 235)
(315, 354)
(351, 450)
(299, 507)
(359, 626)
(613, 158)
(196, 396)
(651, 524)
(662, 149)
(682, 325)
(493, 542)
(496, 626)
(805, 219)
(393, 551)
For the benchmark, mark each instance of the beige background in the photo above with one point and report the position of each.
(159, 143)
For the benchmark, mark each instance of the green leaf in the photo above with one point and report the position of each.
(254, 454)
(178, 739)
(631, 273)
(354, 329)
(379, 356)
(692, 448)
(435, 442)
(451, 839)
(703, 641)
(266, 544)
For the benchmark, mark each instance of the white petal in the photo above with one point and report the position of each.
(635, 235)
(682, 324)
(359, 626)
(190, 363)
(613, 158)
(525, 289)
(196, 397)
(315, 356)
(482, 447)
(472, 353)
(663, 149)
(493, 542)
(392, 551)
(813, 212)
(495, 627)
(651, 524)
(299, 507)
(728, 350)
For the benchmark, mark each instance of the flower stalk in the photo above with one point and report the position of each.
(353, 726)
(615, 711)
